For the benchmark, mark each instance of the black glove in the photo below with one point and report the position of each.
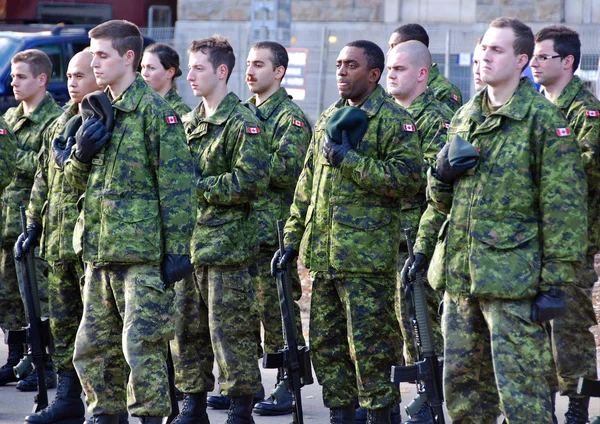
(175, 268)
(548, 305)
(89, 140)
(289, 254)
(23, 244)
(335, 153)
(62, 150)
(417, 266)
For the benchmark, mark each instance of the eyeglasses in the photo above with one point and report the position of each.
(542, 58)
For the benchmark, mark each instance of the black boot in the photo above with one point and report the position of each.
(123, 419)
(29, 383)
(240, 410)
(222, 402)
(151, 420)
(193, 410)
(15, 353)
(578, 411)
(344, 415)
(106, 419)
(279, 402)
(379, 416)
(67, 407)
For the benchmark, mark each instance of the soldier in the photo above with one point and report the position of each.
(231, 157)
(160, 67)
(408, 68)
(133, 231)
(555, 58)
(345, 222)
(30, 72)
(444, 90)
(477, 81)
(57, 199)
(513, 239)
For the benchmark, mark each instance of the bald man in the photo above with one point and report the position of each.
(59, 217)
(408, 66)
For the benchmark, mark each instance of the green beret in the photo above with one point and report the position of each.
(349, 118)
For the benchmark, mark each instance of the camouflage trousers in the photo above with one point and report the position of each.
(12, 296)
(354, 340)
(122, 342)
(192, 351)
(573, 344)
(404, 315)
(232, 317)
(495, 360)
(65, 307)
(267, 301)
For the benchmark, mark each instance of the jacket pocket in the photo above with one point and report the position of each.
(504, 259)
(364, 239)
(436, 274)
(130, 231)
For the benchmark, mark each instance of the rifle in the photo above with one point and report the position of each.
(427, 371)
(37, 334)
(293, 361)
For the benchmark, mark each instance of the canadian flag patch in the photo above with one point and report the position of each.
(298, 123)
(171, 120)
(2, 131)
(563, 132)
(455, 97)
(252, 130)
(408, 127)
(592, 113)
(446, 125)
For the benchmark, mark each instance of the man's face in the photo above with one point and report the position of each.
(402, 75)
(546, 72)
(154, 73)
(353, 74)
(108, 65)
(25, 85)
(499, 63)
(479, 84)
(201, 75)
(80, 78)
(394, 40)
(260, 75)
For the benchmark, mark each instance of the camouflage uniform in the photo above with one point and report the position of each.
(444, 90)
(232, 161)
(432, 119)
(516, 226)
(176, 102)
(53, 204)
(28, 130)
(345, 222)
(138, 207)
(288, 132)
(573, 345)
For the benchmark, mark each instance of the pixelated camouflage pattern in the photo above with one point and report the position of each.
(139, 195)
(176, 102)
(288, 133)
(12, 309)
(231, 155)
(29, 130)
(8, 147)
(495, 360)
(518, 219)
(346, 220)
(128, 315)
(53, 201)
(443, 89)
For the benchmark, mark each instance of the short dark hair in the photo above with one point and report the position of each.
(167, 55)
(373, 53)
(38, 61)
(124, 36)
(218, 50)
(279, 55)
(523, 35)
(409, 32)
(566, 42)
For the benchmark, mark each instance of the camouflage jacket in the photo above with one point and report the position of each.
(432, 119)
(29, 131)
(517, 220)
(53, 202)
(346, 220)
(176, 102)
(8, 147)
(138, 203)
(444, 90)
(582, 110)
(288, 132)
(231, 155)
